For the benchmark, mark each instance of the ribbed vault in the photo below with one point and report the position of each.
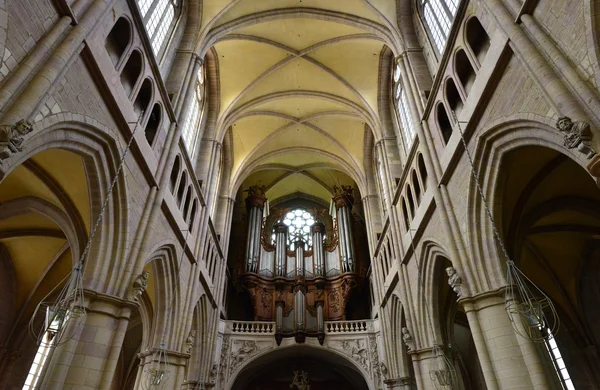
(298, 88)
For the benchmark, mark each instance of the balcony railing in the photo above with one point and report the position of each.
(251, 327)
(360, 326)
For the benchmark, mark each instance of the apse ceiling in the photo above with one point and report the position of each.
(298, 88)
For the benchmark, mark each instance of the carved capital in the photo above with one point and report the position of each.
(12, 138)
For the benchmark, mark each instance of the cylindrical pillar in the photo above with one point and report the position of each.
(343, 202)
(318, 230)
(254, 203)
(280, 249)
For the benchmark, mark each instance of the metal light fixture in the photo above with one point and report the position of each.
(62, 314)
(157, 375)
(442, 372)
(530, 311)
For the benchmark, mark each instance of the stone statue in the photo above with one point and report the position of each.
(576, 135)
(11, 137)
(139, 284)
(454, 281)
(212, 378)
(408, 340)
(189, 343)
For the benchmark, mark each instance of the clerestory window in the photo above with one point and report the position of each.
(438, 16)
(402, 109)
(194, 116)
(159, 18)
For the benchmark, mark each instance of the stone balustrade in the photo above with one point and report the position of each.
(360, 326)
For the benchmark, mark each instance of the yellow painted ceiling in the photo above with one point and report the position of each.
(34, 241)
(295, 75)
(247, 7)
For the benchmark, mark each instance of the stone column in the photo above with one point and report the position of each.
(173, 365)
(280, 249)
(254, 203)
(318, 230)
(513, 360)
(90, 358)
(343, 202)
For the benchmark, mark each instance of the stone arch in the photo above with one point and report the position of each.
(165, 270)
(427, 311)
(591, 10)
(100, 149)
(392, 38)
(329, 354)
(502, 136)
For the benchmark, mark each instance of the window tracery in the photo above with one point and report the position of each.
(438, 16)
(160, 21)
(299, 222)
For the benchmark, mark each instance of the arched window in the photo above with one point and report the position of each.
(380, 179)
(438, 15)
(194, 116)
(159, 17)
(402, 110)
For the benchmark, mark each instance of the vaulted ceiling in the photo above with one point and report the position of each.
(298, 88)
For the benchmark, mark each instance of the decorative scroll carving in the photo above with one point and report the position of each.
(266, 299)
(374, 355)
(357, 351)
(223, 360)
(334, 301)
(576, 135)
(12, 138)
(342, 196)
(140, 283)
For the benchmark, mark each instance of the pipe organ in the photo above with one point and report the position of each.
(298, 273)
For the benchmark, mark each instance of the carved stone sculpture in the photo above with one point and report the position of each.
(247, 349)
(576, 135)
(300, 380)
(383, 370)
(408, 340)
(139, 284)
(357, 351)
(212, 378)
(189, 343)
(454, 281)
(11, 137)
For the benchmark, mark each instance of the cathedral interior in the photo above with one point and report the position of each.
(299, 194)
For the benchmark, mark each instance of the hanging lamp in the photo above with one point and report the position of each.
(531, 312)
(62, 314)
